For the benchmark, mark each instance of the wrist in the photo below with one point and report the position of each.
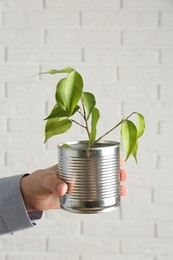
(25, 192)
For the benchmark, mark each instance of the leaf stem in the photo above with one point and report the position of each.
(114, 127)
(74, 121)
(85, 119)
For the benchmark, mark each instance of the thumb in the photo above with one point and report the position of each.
(57, 186)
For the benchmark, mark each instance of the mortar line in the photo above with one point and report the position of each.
(160, 56)
(44, 4)
(159, 19)
(80, 19)
(157, 161)
(5, 159)
(121, 3)
(81, 227)
(117, 73)
(152, 195)
(47, 245)
(43, 37)
(120, 247)
(121, 38)
(5, 90)
(82, 55)
(158, 91)
(5, 54)
(155, 230)
(158, 128)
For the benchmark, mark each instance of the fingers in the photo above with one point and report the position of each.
(123, 175)
(121, 162)
(123, 190)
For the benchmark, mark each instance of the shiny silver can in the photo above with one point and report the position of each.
(92, 176)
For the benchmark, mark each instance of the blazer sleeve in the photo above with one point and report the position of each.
(13, 214)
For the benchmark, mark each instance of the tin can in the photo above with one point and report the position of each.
(92, 176)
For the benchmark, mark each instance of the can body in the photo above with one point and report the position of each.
(92, 175)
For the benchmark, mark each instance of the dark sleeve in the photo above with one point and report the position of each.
(13, 214)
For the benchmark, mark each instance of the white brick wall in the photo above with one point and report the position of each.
(124, 50)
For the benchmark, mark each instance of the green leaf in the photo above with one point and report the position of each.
(140, 125)
(56, 127)
(60, 93)
(66, 146)
(53, 71)
(73, 90)
(57, 112)
(64, 70)
(129, 136)
(75, 109)
(135, 150)
(89, 102)
(94, 121)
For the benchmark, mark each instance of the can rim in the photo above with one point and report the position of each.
(75, 145)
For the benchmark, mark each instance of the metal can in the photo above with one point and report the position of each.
(92, 176)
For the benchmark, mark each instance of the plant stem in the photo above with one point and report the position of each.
(74, 121)
(114, 127)
(85, 119)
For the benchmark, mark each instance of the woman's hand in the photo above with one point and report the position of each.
(41, 189)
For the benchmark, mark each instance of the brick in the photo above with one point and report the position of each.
(17, 72)
(159, 143)
(78, 246)
(139, 194)
(80, 5)
(21, 142)
(33, 88)
(147, 247)
(167, 19)
(40, 19)
(29, 125)
(43, 256)
(166, 126)
(121, 56)
(163, 198)
(150, 38)
(3, 256)
(166, 92)
(91, 74)
(165, 160)
(154, 75)
(123, 91)
(150, 179)
(56, 227)
(146, 159)
(8, 4)
(154, 212)
(27, 37)
(23, 243)
(82, 38)
(167, 257)
(119, 257)
(165, 229)
(42, 55)
(150, 109)
(120, 229)
(120, 19)
(22, 107)
(148, 4)
(167, 56)
(30, 160)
